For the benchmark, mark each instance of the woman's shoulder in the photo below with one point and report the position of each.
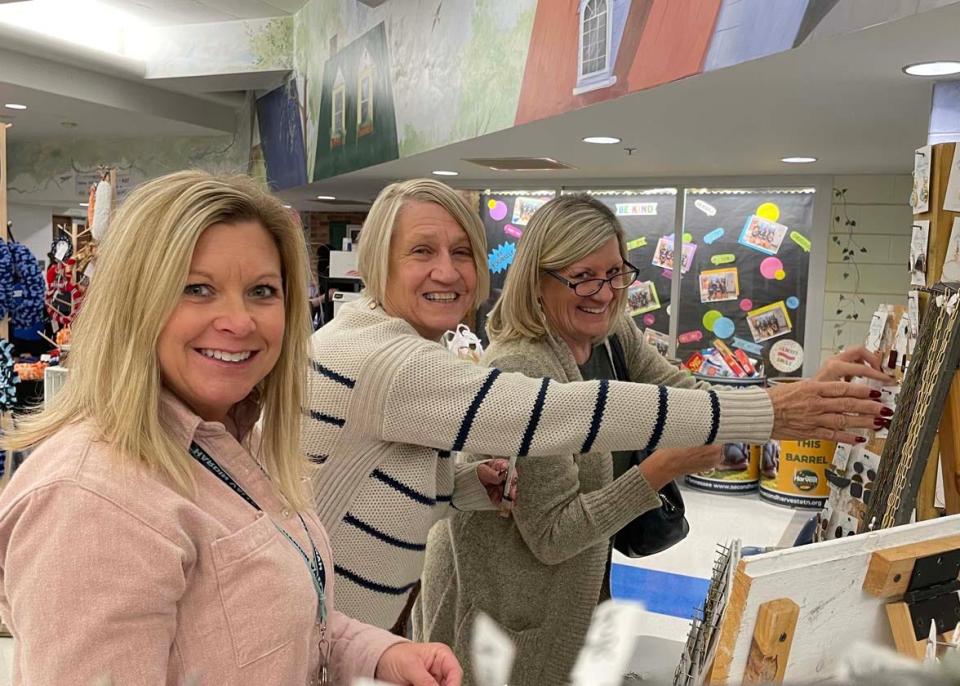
(360, 327)
(533, 357)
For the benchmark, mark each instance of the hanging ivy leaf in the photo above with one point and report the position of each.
(846, 274)
(863, 250)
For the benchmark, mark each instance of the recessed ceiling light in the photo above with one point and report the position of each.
(84, 204)
(443, 172)
(326, 197)
(798, 160)
(932, 68)
(601, 140)
(15, 106)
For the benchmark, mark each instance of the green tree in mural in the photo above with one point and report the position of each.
(272, 43)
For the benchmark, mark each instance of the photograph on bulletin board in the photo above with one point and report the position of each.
(745, 289)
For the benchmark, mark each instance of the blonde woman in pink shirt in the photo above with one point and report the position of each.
(154, 535)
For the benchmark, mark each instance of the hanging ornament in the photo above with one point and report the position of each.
(101, 213)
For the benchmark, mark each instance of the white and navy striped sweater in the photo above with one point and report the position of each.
(387, 407)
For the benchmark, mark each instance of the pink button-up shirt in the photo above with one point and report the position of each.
(105, 571)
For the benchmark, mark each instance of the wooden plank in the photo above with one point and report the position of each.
(730, 627)
(888, 571)
(941, 220)
(772, 638)
(904, 637)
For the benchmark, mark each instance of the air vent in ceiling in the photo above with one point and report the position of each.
(519, 163)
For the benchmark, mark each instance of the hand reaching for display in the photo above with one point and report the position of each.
(493, 474)
(853, 362)
(419, 664)
(825, 409)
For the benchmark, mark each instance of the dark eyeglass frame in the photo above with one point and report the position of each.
(573, 285)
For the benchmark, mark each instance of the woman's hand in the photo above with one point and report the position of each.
(825, 409)
(853, 362)
(419, 664)
(493, 474)
(667, 464)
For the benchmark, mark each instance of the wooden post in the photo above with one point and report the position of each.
(941, 224)
(772, 638)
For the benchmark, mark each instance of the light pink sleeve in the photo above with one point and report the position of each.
(92, 591)
(356, 647)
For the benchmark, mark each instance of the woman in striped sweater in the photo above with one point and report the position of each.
(388, 405)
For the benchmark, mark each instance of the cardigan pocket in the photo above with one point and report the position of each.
(528, 660)
(260, 583)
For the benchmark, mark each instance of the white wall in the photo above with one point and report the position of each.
(879, 206)
(32, 226)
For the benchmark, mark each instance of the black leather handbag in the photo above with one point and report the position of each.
(658, 529)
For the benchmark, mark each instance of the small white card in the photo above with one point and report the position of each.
(609, 645)
(492, 652)
(918, 252)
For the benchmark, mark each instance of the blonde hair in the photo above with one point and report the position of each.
(374, 251)
(562, 231)
(142, 269)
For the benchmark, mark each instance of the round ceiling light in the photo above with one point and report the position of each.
(601, 140)
(14, 106)
(444, 172)
(932, 69)
(798, 160)
(326, 197)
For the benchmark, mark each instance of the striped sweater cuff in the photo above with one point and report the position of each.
(746, 416)
(633, 496)
(468, 493)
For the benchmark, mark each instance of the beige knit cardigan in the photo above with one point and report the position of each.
(539, 574)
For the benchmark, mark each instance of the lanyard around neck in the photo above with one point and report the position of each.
(317, 572)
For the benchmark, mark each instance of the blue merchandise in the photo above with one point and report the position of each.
(25, 289)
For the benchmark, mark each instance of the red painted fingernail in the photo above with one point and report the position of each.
(886, 412)
(861, 439)
(879, 422)
(875, 394)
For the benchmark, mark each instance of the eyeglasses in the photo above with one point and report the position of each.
(589, 287)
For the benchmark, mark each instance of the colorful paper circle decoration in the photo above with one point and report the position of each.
(770, 266)
(769, 210)
(498, 209)
(724, 327)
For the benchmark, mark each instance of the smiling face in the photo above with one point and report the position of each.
(582, 321)
(432, 274)
(226, 332)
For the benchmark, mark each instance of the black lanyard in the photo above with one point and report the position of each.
(317, 573)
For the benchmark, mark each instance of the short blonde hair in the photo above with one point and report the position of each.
(375, 238)
(564, 230)
(142, 269)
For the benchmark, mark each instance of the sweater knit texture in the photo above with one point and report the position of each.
(387, 407)
(110, 575)
(539, 574)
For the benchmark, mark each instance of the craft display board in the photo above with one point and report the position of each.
(826, 583)
(747, 282)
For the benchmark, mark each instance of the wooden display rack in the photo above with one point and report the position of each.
(941, 224)
(794, 615)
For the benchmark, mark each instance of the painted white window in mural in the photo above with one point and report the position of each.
(596, 55)
(338, 124)
(365, 96)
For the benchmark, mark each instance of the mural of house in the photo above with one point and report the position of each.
(357, 122)
(587, 51)
(281, 137)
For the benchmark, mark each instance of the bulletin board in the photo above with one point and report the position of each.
(746, 284)
(505, 215)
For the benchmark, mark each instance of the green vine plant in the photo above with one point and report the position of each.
(850, 249)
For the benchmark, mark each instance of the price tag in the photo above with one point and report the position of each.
(610, 643)
(491, 651)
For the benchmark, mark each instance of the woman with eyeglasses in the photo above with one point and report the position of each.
(388, 404)
(540, 573)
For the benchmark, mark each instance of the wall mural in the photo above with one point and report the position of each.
(450, 70)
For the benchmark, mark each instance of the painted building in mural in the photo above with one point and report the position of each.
(588, 51)
(357, 122)
(281, 137)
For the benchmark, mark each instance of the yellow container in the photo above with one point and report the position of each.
(801, 479)
(740, 470)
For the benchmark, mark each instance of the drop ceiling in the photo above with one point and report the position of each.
(171, 12)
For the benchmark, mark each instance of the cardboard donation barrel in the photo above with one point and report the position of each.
(796, 473)
(739, 472)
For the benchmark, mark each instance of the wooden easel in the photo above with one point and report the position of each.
(941, 224)
(922, 577)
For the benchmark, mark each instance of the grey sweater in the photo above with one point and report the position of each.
(387, 407)
(538, 574)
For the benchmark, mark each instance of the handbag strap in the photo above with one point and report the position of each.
(617, 358)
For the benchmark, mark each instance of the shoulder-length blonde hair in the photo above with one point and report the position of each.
(373, 260)
(142, 270)
(564, 230)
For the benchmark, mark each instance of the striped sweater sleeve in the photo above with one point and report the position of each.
(420, 394)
